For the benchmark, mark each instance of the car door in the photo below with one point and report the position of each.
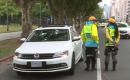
(77, 45)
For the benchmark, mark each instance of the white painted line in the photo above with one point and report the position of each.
(99, 76)
(98, 52)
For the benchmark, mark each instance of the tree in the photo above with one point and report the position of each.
(26, 6)
(66, 10)
(40, 11)
(8, 12)
(98, 12)
(40, 8)
(8, 4)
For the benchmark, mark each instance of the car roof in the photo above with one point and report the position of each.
(54, 27)
(122, 22)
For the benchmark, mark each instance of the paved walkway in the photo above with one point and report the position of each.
(4, 36)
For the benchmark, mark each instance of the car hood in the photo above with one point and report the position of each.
(43, 47)
(124, 29)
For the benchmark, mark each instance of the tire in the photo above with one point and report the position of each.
(19, 73)
(128, 37)
(83, 54)
(72, 70)
(82, 57)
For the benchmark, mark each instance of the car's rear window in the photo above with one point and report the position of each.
(121, 25)
(49, 35)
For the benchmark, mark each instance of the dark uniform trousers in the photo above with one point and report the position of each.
(110, 51)
(90, 54)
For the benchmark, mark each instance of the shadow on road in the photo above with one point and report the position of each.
(44, 76)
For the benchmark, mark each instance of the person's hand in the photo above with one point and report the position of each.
(112, 41)
(116, 45)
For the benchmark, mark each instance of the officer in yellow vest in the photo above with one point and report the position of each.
(90, 39)
(111, 44)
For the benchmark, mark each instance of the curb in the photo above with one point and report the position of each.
(6, 58)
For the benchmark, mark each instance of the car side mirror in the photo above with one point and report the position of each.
(76, 38)
(22, 40)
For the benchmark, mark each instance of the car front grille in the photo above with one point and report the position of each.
(44, 66)
(123, 31)
(40, 56)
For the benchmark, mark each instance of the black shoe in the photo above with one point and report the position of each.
(87, 69)
(114, 66)
(93, 69)
(106, 67)
(106, 70)
(113, 69)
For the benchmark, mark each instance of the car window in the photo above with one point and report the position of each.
(49, 35)
(73, 32)
(121, 25)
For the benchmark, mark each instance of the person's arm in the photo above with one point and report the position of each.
(118, 39)
(108, 36)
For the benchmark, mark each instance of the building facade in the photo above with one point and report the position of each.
(120, 9)
(128, 11)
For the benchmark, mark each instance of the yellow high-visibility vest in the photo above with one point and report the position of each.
(90, 32)
(110, 35)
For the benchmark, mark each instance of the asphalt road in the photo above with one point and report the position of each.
(122, 73)
(4, 36)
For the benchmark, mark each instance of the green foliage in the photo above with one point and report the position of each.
(72, 8)
(58, 8)
(98, 12)
(40, 8)
(10, 6)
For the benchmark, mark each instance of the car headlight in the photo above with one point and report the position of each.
(128, 32)
(18, 55)
(61, 54)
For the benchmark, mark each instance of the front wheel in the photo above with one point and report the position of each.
(71, 71)
(82, 57)
(19, 73)
(128, 37)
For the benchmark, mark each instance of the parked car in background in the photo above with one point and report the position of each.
(102, 22)
(102, 25)
(124, 29)
(49, 49)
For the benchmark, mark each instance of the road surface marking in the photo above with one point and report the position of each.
(98, 52)
(99, 77)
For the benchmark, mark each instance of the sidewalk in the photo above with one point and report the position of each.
(4, 67)
(4, 36)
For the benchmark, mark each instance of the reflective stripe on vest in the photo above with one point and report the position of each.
(88, 32)
(111, 31)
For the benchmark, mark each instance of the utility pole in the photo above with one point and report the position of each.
(7, 17)
(40, 14)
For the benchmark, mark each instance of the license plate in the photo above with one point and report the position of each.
(36, 64)
(123, 34)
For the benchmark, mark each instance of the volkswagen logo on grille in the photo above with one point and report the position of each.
(36, 56)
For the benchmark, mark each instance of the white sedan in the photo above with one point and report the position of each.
(124, 29)
(49, 49)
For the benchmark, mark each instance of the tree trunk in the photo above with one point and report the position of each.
(59, 20)
(26, 19)
(58, 14)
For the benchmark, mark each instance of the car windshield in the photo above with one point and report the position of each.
(49, 35)
(122, 25)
